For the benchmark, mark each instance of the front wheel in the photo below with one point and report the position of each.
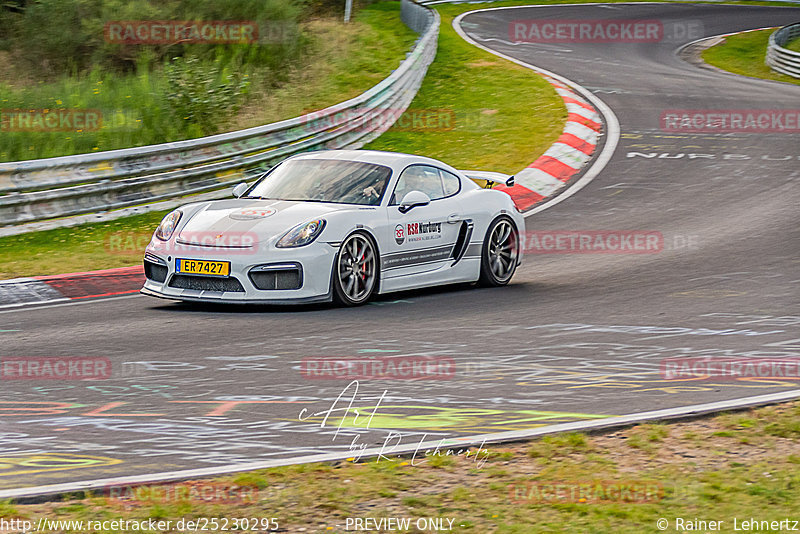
(500, 253)
(355, 270)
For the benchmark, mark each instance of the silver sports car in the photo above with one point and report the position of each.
(338, 225)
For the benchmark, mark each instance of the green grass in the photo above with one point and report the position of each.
(793, 45)
(506, 3)
(492, 114)
(559, 445)
(345, 61)
(713, 478)
(647, 436)
(118, 243)
(744, 54)
(339, 62)
(7, 509)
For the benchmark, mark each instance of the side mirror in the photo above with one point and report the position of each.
(412, 200)
(239, 190)
(510, 181)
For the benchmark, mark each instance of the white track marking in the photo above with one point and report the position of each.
(43, 305)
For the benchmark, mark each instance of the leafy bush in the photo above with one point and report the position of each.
(139, 105)
(334, 7)
(10, 12)
(201, 95)
(67, 36)
(55, 36)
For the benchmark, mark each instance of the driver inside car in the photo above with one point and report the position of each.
(418, 178)
(367, 189)
(374, 191)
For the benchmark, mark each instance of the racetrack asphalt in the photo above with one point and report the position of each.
(576, 336)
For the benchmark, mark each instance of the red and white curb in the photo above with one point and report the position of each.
(19, 292)
(565, 158)
(588, 118)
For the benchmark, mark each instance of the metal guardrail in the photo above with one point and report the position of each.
(71, 185)
(779, 58)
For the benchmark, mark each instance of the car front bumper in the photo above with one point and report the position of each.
(315, 263)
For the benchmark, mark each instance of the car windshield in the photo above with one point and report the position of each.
(325, 180)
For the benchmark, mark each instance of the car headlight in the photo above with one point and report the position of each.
(168, 225)
(302, 234)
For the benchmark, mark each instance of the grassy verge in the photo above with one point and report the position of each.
(338, 62)
(488, 114)
(345, 61)
(506, 3)
(492, 114)
(118, 243)
(744, 54)
(741, 465)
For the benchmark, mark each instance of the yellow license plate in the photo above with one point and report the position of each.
(210, 268)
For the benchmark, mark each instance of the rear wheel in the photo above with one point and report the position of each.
(500, 253)
(355, 271)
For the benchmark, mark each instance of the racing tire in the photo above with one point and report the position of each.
(500, 253)
(355, 270)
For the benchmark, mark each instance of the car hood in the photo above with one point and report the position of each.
(237, 221)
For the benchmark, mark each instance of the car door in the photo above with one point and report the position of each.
(422, 239)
